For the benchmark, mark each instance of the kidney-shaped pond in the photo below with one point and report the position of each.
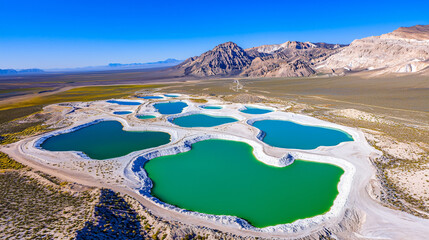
(202, 120)
(105, 140)
(224, 178)
(255, 110)
(170, 107)
(286, 134)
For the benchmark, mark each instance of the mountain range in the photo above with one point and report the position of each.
(22, 71)
(111, 66)
(401, 51)
(121, 66)
(164, 63)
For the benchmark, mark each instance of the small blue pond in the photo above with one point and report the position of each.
(211, 107)
(122, 112)
(145, 116)
(286, 134)
(152, 97)
(254, 110)
(128, 103)
(170, 107)
(202, 120)
(172, 95)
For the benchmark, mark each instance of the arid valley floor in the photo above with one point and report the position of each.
(390, 201)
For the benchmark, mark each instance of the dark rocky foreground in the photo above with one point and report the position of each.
(113, 219)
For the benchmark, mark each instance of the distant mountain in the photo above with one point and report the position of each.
(22, 71)
(401, 51)
(280, 60)
(167, 62)
(122, 66)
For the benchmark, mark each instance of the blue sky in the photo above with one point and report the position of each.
(74, 33)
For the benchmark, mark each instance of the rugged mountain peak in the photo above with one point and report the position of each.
(224, 59)
(226, 46)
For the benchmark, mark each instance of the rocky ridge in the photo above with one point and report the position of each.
(291, 59)
(404, 50)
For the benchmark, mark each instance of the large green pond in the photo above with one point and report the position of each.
(286, 134)
(224, 178)
(105, 140)
(202, 120)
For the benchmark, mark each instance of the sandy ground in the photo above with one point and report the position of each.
(417, 183)
(376, 221)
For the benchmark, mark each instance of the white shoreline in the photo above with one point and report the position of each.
(181, 138)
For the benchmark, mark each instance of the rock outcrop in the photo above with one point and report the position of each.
(401, 51)
(418, 32)
(290, 59)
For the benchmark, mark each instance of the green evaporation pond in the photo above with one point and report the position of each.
(145, 116)
(254, 110)
(286, 134)
(170, 107)
(224, 178)
(105, 140)
(211, 107)
(202, 120)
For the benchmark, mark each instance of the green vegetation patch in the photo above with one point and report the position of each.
(7, 162)
(83, 94)
(19, 112)
(14, 137)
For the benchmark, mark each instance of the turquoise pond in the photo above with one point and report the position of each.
(152, 97)
(128, 103)
(254, 110)
(286, 134)
(122, 112)
(202, 120)
(145, 116)
(105, 140)
(170, 107)
(211, 107)
(172, 95)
